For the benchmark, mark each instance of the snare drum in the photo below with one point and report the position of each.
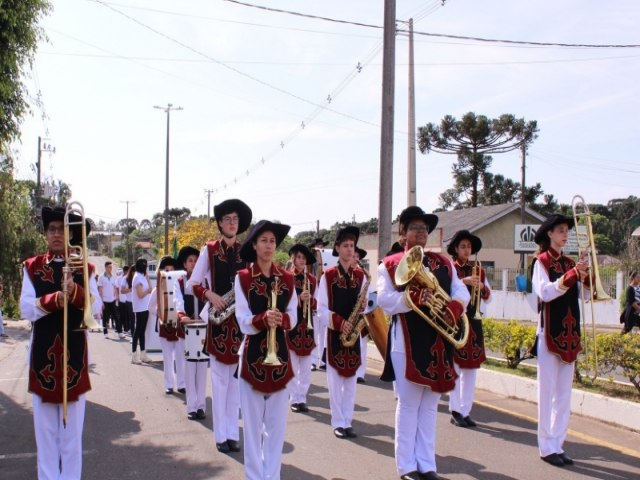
(194, 342)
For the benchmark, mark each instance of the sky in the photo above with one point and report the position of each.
(284, 111)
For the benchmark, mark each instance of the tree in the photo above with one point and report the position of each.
(497, 189)
(19, 37)
(473, 139)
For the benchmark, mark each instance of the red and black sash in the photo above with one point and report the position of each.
(223, 341)
(257, 289)
(45, 366)
(472, 355)
(429, 358)
(300, 338)
(561, 317)
(343, 289)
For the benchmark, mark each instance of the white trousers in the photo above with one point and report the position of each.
(362, 369)
(320, 333)
(171, 352)
(264, 424)
(461, 397)
(342, 397)
(299, 384)
(416, 410)
(59, 448)
(225, 399)
(196, 384)
(555, 379)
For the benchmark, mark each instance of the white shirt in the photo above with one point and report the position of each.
(121, 281)
(140, 304)
(108, 285)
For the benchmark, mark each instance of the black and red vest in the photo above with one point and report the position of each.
(300, 338)
(343, 289)
(472, 354)
(45, 365)
(223, 341)
(257, 289)
(429, 358)
(561, 317)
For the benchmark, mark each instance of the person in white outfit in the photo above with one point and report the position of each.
(141, 293)
(556, 280)
(266, 304)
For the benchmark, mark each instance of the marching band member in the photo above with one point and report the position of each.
(418, 358)
(339, 289)
(555, 281)
(195, 373)
(358, 255)
(468, 358)
(300, 338)
(213, 278)
(319, 329)
(59, 447)
(265, 365)
(171, 351)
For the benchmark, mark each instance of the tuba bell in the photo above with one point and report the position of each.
(412, 273)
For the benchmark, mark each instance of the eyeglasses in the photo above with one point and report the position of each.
(54, 230)
(231, 219)
(418, 228)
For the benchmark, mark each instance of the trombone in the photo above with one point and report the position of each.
(476, 291)
(75, 258)
(306, 309)
(272, 358)
(586, 247)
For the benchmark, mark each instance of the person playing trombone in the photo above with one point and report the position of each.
(42, 302)
(468, 358)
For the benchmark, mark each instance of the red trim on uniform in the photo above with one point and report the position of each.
(336, 321)
(286, 321)
(569, 279)
(455, 307)
(78, 298)
(200, 292)
(260, 321)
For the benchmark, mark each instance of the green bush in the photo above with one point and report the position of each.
(10, 308)
(513, 340)
(615, 351)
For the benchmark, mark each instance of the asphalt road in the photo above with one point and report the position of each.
(133, 430)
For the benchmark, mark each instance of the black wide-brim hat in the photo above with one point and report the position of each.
(318, 241)
(184, 253)
(344, 231)
(549, 224)
(234, 205)
(57, 214)
(298, 247)
(476, 243)
(279, 230)
(413, 212)
(361, 252)
(395, 248)
(166, 261)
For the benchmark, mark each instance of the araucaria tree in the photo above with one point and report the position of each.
(474, 139)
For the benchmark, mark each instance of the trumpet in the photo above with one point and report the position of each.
(272, 358)
(586, 247)
(476, 291)
(75, 257)
(306, 309)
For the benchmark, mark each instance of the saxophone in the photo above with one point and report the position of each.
(356, 318)
(218, 317)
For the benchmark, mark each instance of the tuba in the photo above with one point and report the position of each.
(412, 273)
(587, 247)
(356, 319)
(75, 258)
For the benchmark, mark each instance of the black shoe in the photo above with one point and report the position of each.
(361, 380)
(350, 433)
(192, 416)
(168, 391)
(322, 367)
(302, 407)
(223, 447)
(458, 420)
(430, 476)
(182, 390)
(566, 458)
(200, 414)
(314, 367)
(340, 433)
(295, 407)
(234, 445)
(554, 459)
(470, 421)
(411, 476)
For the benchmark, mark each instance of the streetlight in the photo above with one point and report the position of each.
(167, 110)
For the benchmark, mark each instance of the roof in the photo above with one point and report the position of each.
(473, 219)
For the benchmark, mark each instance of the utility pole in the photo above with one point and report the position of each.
(167, 110)
(47, 147)
(318, 227)
(411, 167)
(126, 231)
(385, 194)
(208, 192)
(523, 149)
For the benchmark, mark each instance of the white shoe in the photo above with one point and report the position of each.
(135, 358)
(144, 357)
(121, 335)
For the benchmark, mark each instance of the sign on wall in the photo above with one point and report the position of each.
(524, 235)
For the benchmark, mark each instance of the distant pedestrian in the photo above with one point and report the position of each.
(631, 314)
(107, 287)
(141, 288)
